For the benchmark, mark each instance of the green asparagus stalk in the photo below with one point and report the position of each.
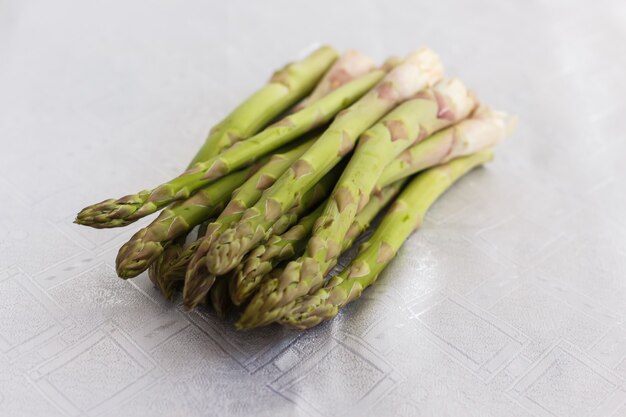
(403, 218)
(278, 248)
(412, 121)
(121, 212)
(198, 279)
(136, 255)
(417, 72)
(484, 129)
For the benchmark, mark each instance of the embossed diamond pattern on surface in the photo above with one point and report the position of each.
(511, 300)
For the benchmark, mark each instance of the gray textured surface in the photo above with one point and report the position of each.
(510, 301)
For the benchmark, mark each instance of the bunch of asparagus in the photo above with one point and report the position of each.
(287, 182)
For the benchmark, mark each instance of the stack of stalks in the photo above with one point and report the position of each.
(287, 182)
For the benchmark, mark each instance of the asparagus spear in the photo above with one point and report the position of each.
(412, 121)
(278, 248)
(418, 71)
(287, 86)
(136, 255)
(123, 211)
(405, 215)
(484, 129)
(198, 279)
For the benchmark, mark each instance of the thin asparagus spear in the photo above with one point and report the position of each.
(405, 215)
(278, 248)
(412, 121)
(418, 71)
(123, 211)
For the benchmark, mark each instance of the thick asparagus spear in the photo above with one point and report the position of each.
(136, 255)
(278, 248)
(198, 279)
(286, 87)
(405, 215)
(418, 71)
(484, 129)
(412, 121)
(123, 211)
